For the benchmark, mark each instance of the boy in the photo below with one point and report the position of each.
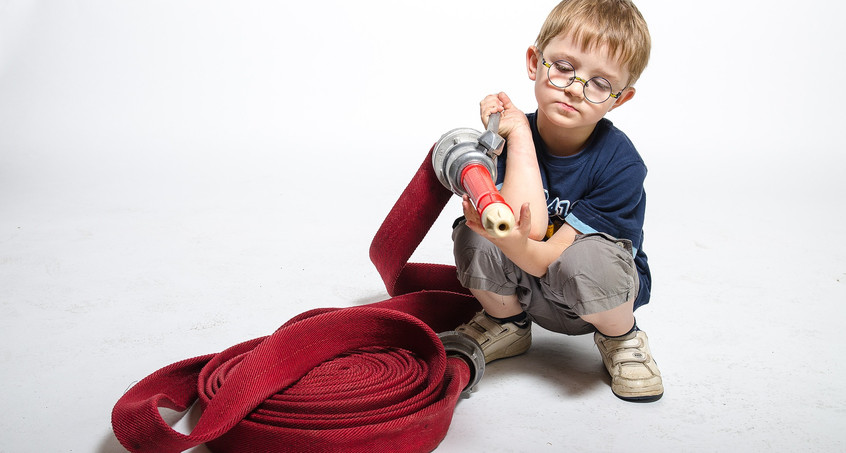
(574, 262)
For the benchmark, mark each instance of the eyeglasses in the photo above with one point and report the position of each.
(562, 74)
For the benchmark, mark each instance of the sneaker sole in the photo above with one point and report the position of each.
(641, 398)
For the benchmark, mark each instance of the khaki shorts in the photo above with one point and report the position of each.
(595, 274)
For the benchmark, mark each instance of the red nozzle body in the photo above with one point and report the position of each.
(477, 181)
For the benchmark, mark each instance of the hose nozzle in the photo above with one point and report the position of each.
(465, 163)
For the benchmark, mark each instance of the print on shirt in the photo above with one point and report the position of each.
(557, 210)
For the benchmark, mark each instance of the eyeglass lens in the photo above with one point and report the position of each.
(562, 75)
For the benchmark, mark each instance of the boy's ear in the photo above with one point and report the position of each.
(532, 59)
(627, 95)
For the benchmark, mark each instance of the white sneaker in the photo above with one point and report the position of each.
(634, 374)
(498, 341)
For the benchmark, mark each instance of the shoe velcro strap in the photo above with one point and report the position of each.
(629, 356)
(620, 345)
(488, 324)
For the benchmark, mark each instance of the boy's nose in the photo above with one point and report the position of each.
(576, 88)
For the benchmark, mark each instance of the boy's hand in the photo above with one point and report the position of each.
(514, 241)
(511, 119)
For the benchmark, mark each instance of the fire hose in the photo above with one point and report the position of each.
(361, 379)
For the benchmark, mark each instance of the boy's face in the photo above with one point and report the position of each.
(567, 107)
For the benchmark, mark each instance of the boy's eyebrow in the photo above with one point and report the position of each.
(557, 57)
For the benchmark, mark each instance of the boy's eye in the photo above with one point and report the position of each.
(601, 83)
(563, 66)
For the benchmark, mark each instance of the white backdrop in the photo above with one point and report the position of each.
(178, 177)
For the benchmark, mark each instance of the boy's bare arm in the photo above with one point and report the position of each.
(528, 254)
(522, 182)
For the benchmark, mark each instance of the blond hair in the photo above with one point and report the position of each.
(616, 24)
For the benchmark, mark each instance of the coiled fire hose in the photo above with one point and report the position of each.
(365, 379)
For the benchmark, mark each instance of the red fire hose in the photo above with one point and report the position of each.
(365, 379)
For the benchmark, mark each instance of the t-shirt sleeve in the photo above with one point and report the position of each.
(616, 205)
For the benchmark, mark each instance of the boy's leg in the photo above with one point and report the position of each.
(502, 328)
(597, 277)
(591, 287)
(616, 321)
(626, 354)
(498, 305)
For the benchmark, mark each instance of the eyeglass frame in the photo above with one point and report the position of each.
(577, 78)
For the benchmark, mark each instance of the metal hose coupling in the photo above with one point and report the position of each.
(464, 347)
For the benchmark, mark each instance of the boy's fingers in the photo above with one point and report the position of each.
(525, 216)
(490, 105)
(506, 101)
(469, 210)
(492, 101)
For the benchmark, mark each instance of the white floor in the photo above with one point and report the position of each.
(176, 178)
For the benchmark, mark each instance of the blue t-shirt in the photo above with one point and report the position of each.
(600, 189)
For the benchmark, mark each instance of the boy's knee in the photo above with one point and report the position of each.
(464, 238)
(479, 263)
(596, 273)
(473, 253)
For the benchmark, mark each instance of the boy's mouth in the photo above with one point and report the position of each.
(567, 107)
